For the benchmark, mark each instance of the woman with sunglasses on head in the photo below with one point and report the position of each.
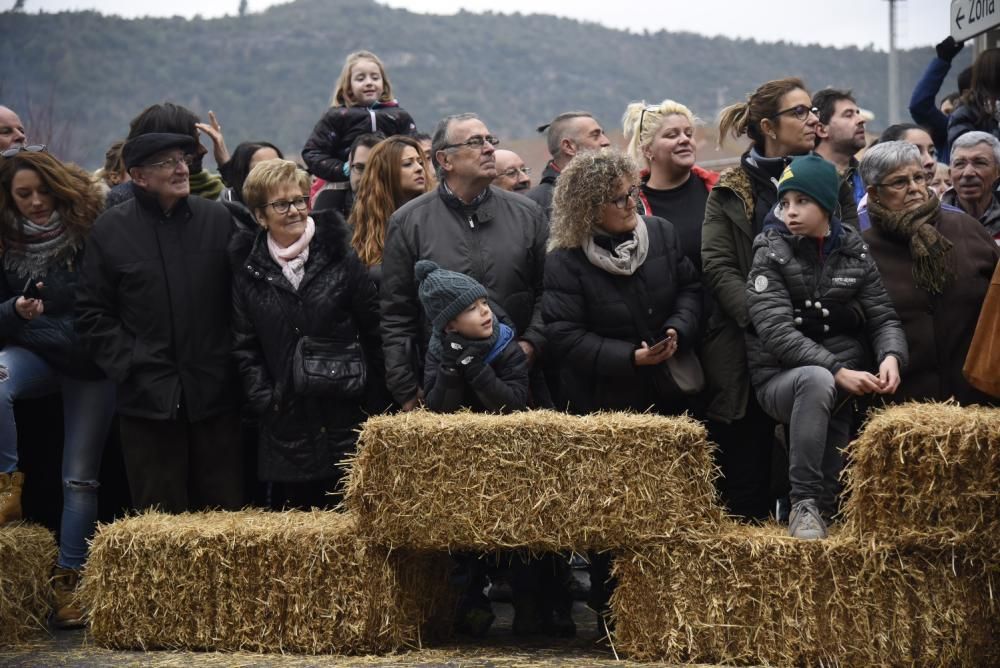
(296, 280)
(779, 120)
(936, 264)
(46, 211)
(661, 138)
(397, 171)
(620, 299)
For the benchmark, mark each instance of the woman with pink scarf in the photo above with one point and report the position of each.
(298, 277)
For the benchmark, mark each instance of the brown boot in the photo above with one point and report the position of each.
(66, 613)
(10, 496)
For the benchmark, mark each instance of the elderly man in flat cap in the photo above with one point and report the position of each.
(154, 307)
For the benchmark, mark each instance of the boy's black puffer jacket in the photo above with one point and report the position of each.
(787, 269)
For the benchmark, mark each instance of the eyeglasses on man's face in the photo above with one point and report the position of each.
(476, 142)
(281, 206)
(514, 171)
(900, 184)
(34, 148)
(800, 112)
(170, 164)
(631, 196)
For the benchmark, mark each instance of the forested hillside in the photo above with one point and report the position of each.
(77, 78)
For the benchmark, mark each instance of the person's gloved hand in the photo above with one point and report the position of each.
(452, 349)
(809, 318)
(841, 318)
(948, 48)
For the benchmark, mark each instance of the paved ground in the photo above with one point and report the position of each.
(499, 650)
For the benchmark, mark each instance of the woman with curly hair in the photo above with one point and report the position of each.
(396, 172)
(620, 299)
(46, 211)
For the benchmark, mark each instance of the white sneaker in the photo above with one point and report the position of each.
(805, 522)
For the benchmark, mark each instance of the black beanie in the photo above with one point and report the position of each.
(139, 149)
(814, 176)
(445, 294)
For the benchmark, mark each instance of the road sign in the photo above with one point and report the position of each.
(973, 17)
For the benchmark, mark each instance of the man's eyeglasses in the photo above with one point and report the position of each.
(513, 171)
(170, 164)
(900, 184)
(800, 112)
(34, 148)
(476, 142)
(281, 206)
(631, 195)
(358, 168)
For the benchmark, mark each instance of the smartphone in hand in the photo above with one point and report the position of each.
(660, 341)
(31, 290)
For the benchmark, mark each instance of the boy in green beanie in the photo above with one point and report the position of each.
(818, 310)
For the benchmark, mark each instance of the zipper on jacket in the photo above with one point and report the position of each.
(371, 114)
(472, 222)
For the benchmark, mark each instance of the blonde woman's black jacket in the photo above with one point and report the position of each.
(787, 270)
(302, 438)
(153, 306)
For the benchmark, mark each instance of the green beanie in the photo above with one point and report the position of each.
(445, 294)
(814, 176)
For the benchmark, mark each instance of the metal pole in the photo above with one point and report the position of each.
(894, 116)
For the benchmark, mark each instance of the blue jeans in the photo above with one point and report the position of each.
(88, 407)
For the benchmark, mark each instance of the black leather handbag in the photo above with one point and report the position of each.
(324, 366)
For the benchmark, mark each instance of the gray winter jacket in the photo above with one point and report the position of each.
(500, 243)
(787, 269)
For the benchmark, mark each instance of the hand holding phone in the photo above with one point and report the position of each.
(32, 290)
(660, 341)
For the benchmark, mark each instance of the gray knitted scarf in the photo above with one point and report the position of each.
(32, 249)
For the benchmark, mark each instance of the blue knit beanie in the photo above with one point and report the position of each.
(445, 294)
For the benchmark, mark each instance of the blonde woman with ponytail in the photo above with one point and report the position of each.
(661, 139)
(780, 121)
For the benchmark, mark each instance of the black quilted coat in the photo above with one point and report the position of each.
(788, 268)
(592, 333)
(302, 438)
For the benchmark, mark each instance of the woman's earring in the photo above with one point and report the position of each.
(774, 136)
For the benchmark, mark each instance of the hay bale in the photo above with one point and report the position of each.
(923, 474)
(27, 555)
(256, 581)
(539, 480)
(756, 596)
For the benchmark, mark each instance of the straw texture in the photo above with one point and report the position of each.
(756, 596)
(538, 480)
(27, 555)
(927, 475)
(256, 581)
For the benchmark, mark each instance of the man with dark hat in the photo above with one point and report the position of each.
(153, 307)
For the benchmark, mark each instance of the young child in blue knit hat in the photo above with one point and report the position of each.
(472, 359)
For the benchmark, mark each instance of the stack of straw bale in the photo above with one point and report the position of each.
(257, 581)
(27, 555)
(754, 595)
(909, 579)
(539, 480)
(927, 475)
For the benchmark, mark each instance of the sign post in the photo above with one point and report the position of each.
(973, 17)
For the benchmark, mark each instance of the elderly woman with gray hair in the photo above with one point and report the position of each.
(620, 299)
(936, 265)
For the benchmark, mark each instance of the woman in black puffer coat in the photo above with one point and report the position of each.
(605, 263)
(817, 307)
(299, 273)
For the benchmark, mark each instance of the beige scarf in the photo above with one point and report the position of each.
(627, 256)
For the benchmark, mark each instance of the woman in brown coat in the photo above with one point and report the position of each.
(936, 263)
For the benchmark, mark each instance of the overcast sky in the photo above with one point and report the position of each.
(828, 22)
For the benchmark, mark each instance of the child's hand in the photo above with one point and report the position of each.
(857, 382)
(453, 346)
(888, 374)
